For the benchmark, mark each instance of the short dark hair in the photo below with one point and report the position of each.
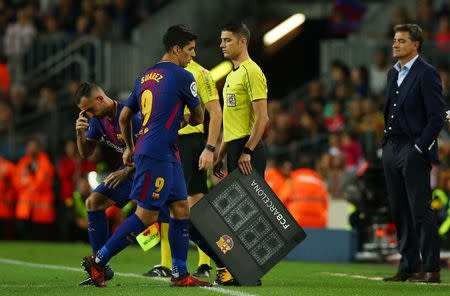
(239, 29)
(179, 35)
(84, 90)
(415, 33)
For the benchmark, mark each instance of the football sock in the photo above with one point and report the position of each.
(98, 229)
(124, 235)
(179, 243)
(203, 258)
(166, 256)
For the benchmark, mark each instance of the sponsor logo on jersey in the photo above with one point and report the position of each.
(231, 100)
(225, 243)
(194, 89)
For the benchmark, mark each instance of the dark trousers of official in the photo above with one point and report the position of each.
(234, 151)
(407, 175)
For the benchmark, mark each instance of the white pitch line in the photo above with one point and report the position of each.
(372, 278)
(133, 275)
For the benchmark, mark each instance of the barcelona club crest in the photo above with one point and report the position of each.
(155, 196)
(225, 243)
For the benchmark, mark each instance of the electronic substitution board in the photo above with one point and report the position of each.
(246, 225)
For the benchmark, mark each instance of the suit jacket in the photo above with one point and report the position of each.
(421, 107)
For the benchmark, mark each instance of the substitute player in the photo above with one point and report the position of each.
(99, 121)
(196, 157)
(160, 94)
(244, 114)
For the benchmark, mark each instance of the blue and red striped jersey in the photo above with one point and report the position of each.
(161, 94)
(108, 130)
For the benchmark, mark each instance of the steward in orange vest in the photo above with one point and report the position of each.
(34, 183)
(7, 192)
(7, 199)
(275, 179)
(277, 176)
(306, 198)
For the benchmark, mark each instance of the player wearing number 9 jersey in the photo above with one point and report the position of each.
(160, 94)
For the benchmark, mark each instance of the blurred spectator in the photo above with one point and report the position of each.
(339, 74)
(122, 18)
(70, 168)
(332, 165)
(7, 199)
(360, 81)
(355, 114)
(445, 77)
(78, 207)
(445, 8)
(66, 13)
(73, 85)
(103, 28)
(6, 117)
(87, 9)
(19, 35)
(34, 183)
(377, 73)
(443, 34)
(52, 32)
(82, 26)
(18, 39)
(425, 19)
(310, 127)
(8, 149)
(145, 8)
(47, 99)
(5, 81)
(352, 151)
(314, 103)
(400, 16)
(336, 120)
(6, 15)
(20, 104)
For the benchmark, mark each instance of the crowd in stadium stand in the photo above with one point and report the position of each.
(334, 129)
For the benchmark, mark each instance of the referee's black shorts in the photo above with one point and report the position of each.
(234, 151)
(190, 147)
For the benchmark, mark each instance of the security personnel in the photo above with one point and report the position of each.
(7, 196)
(307, 198)
(34, 183)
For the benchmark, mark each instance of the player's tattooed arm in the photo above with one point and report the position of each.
(115, 178)
(85, 146)
(126, 128)
(196, 116)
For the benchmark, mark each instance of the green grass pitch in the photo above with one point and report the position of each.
(33, 268)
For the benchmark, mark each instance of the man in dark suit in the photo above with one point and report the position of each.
(414, 115)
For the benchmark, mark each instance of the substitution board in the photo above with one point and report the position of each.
(246, 225)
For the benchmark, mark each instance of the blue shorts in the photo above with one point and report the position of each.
(164, 215)
(157, 183)
(120, 194)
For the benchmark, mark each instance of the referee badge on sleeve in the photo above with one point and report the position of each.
(231, 100)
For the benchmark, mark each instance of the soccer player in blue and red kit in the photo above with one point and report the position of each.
(160, 94)
(98, 121)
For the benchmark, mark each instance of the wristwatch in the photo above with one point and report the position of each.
(247, 150)
(210, 148)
